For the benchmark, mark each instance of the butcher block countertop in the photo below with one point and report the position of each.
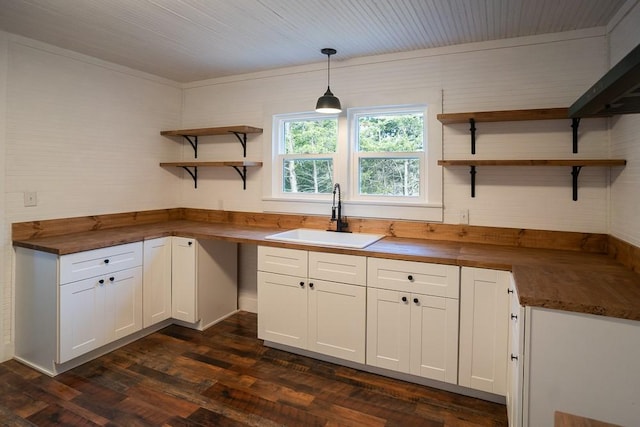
(556, 279)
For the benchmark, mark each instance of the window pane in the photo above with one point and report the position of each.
(310, 136)
(308, 176)
(384, 133)
(390, 177)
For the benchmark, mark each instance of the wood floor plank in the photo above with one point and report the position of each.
(225, 376)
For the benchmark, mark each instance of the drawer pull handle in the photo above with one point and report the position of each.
(509, 291)
(410, 277)
(404, 299)
(514, 316)
(311, 285)
(301, 284)
(513, 357)
(106, 261)
(111, 279)
(416, 300)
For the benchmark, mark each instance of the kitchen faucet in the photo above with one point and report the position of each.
(341, 226)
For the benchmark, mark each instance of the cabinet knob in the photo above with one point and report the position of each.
(106, 261)
(190, 243)
(404, 299)
(416, 300)
(514, 357)
(301, 284)
(410, 277)
(514, 316)
(509, 291)
(111, 279)
(101, 281)
(311, 285)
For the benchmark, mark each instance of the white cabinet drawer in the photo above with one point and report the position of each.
(292, 262)
(82, 265)
(340, 268)
(408, 276)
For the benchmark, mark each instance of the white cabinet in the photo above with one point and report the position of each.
(484, 323)
(515, 362)
(412, 318)
(97, 310)
(184, 286)
(313, 301)
(156, 284)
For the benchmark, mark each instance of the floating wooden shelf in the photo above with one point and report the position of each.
(239, 166)
(511, 116)
(191, 135)
(516, 162)
(575, 164)
(505, 115)
(239, 131)
(224, 130)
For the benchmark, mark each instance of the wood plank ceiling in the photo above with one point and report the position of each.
(190, 40)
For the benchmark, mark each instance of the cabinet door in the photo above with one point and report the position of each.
(81, 317)
(156, 285)
(337, 319)
(484, 321)
(123, 303)
(184, 287)
(434, 337)
(282, 309)
(388, 325)
(515, 362)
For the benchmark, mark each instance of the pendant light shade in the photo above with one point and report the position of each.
(328, 103)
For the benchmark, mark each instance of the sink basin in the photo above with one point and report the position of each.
(309, 236)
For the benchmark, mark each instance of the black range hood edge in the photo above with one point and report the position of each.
(617, 92)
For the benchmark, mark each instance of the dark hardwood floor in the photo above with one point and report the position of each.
(225, 377)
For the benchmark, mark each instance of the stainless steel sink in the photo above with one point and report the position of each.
(309, 236)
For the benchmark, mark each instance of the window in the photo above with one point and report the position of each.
(385, 159)
(388, 153)
(306, 155)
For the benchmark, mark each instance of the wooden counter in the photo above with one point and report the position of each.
(558, 279)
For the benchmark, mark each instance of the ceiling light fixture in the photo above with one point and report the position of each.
(328, 103)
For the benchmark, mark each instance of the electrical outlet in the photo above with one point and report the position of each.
(30, 198)
(464, 216)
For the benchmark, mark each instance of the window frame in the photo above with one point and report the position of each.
(279, 156)
(353, 115)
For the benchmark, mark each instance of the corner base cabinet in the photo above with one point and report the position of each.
(313, 301)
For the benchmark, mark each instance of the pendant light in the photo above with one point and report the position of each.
(328, 103)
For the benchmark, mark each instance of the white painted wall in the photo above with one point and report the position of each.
(533, 72)
(625, 140)
(83, 134)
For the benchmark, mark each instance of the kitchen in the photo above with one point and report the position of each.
(84, 134)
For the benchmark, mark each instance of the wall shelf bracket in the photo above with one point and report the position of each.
(194, 174)
(194, 144)
(243, 175)
(575, 123)
(242, 137)
(575, 171)
(472, 172)
(472, 129)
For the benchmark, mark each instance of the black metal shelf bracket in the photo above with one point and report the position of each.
(575, 123)
(243, 175)
(575, 171)
(194, 144)
(242, 137)
(472, 129)
(472, 172)
(193, 174)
